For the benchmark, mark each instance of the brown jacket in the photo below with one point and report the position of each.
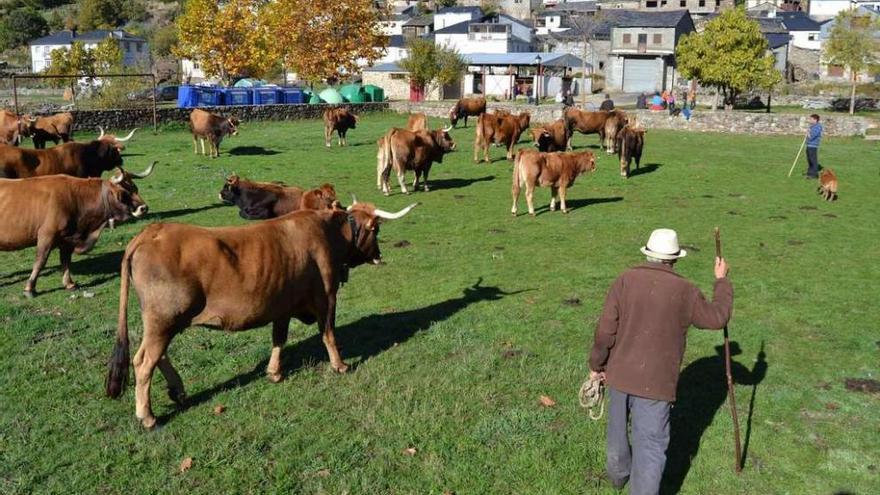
(642, 333)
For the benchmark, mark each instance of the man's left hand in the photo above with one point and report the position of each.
(599, 374)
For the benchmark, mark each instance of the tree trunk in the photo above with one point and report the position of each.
(769, 97)
(715, 100)
(584, 77)
(852, 95)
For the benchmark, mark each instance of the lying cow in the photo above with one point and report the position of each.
(616, 121)
(55, 128)
(339, 120)
(503, 129)
(585, 123)
(89, 159)
(550, 137)
(404, 150)
(557, 171)
(237, 278)
(13, 128)
(417, 122)
(206, 126)
(828, 185)
(64, 212)
(464, 108)
(630, 142)
(262, 200)
(118, 142)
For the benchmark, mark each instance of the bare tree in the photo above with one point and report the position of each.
(585, 27)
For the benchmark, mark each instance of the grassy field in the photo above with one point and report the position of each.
(474, 316)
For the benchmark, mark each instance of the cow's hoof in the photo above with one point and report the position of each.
(30, 294)
(327, 145)
(564, 211)
(177, 396)
(71, 286)
(149, 422)
(341, 369)
(532, 214)
(406, 192)
(426, 189)
(274, 377)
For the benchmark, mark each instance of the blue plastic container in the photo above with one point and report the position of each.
(209, 97)
(187, 97)
(238, 96)
(294, 96)
(268, 96)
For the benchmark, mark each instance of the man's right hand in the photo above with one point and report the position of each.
(721, 268)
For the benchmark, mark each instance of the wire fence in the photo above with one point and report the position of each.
(43, 94)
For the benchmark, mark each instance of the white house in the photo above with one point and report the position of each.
(555, 19)
(497, 33)
(838, 73)
(393, 25)
(450, 16)
(803, 30)
(134, 49)
(828, 9)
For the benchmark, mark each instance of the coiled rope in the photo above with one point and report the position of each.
(592, 397)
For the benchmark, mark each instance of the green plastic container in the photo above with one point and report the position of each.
(315, 99)
(353, 93)
(374, 93)
(331, 96)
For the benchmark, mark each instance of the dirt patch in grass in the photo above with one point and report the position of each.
(496, 231)
(794, 242)
(808, 208)
(572, 301)
(829, 215)
(777, 217)
(402, 244)
(865, 385)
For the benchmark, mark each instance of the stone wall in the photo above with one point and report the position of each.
(702, 121)
(143, 117)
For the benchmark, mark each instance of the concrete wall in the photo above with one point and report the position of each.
(701, 121)
(665, 47)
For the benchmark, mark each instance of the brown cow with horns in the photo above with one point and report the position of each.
(89, 159)
(64, 212)
(238, 278)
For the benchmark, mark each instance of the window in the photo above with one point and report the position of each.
(651, 4)
(813, 36)
(663, 3)
(643, 43)
(627, 39)
(702, 3)
(601, 65)
(658, 39)
(682, 3)
(717, 3)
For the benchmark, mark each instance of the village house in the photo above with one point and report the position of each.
(135, 51)
(467, 30)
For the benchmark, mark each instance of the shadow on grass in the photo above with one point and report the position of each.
(185, 211)
(363, 339)
(644, 169)
(702, 391)
(575, 204)
(457, 183)
(252, 151)
(105, 263)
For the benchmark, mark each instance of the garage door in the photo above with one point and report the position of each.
(640, 74)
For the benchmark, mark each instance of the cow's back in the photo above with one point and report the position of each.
(30, 203)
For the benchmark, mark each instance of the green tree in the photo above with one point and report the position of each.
(854, 46)
(56, 21)
(729, 55)
(99, 14)
(429, 65)
(163, 40)
(134, 10)
(446, 3)
(20, 26)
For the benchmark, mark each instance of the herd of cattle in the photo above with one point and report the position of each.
(289, 265)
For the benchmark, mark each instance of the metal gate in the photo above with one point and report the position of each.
(641, 75)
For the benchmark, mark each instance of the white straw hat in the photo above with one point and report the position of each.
(663, 245)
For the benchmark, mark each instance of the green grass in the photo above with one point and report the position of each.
(456, 337)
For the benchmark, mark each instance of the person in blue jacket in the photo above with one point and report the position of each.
(814, 137)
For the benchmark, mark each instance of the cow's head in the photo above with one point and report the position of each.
(443, 140)
(364, 219)
(27, 125)
(586, 161)
(107, 154)
(118, 142)
(232, 126)
(542, 138)
(453, 115)
(322, 198)
(231, 191)
(121, 195)
(524, 119)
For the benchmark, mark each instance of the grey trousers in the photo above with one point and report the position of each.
(643, 463)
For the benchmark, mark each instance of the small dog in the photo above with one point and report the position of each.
(828, 185)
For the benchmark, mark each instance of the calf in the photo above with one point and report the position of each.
(630, 142)
(557, 171)
(339, 120)
(262, 200)
(417, 122)
(464, 108)
(616, 121)
(550, 137)
(504, 129)
(64, 212)
(828, 185)
(404, 150)
(55, 128)
(206, 126)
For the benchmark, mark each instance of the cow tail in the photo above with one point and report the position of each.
(517, 173)
(389, 155)
(117, 367)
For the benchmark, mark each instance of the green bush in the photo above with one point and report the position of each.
(20, 26)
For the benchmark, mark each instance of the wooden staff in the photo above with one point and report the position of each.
(730, 394)
(789, 170)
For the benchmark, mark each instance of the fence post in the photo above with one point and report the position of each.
(14, 94)
(155, 119)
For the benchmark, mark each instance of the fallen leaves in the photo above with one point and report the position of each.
(546, 401)
(186, 465)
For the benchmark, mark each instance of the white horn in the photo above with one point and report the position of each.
(116, 179)
(394, 216)
(126, 138)
(102, 132)
(354, 201)
(146, 172)
(447, 129)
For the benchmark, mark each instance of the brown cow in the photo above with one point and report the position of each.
(585, 123)
(261, 200)
(206, 126)
(14, 127)
(339, 120)
(550, 137)
(404, 150)
(64, 212)
(417, 122)
(828, 184)
(55, 128)
(89, 159)
(466, 107)
(504, 129)
(630, 142)
(616, 121)
(237, 278)
(555, 170)
(118, 142)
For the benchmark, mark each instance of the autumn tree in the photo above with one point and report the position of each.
(323, 39)
(854, 46)
(429, 65)
(729, 55)
(229, 40)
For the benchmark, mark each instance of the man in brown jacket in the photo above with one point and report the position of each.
(638, 349)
